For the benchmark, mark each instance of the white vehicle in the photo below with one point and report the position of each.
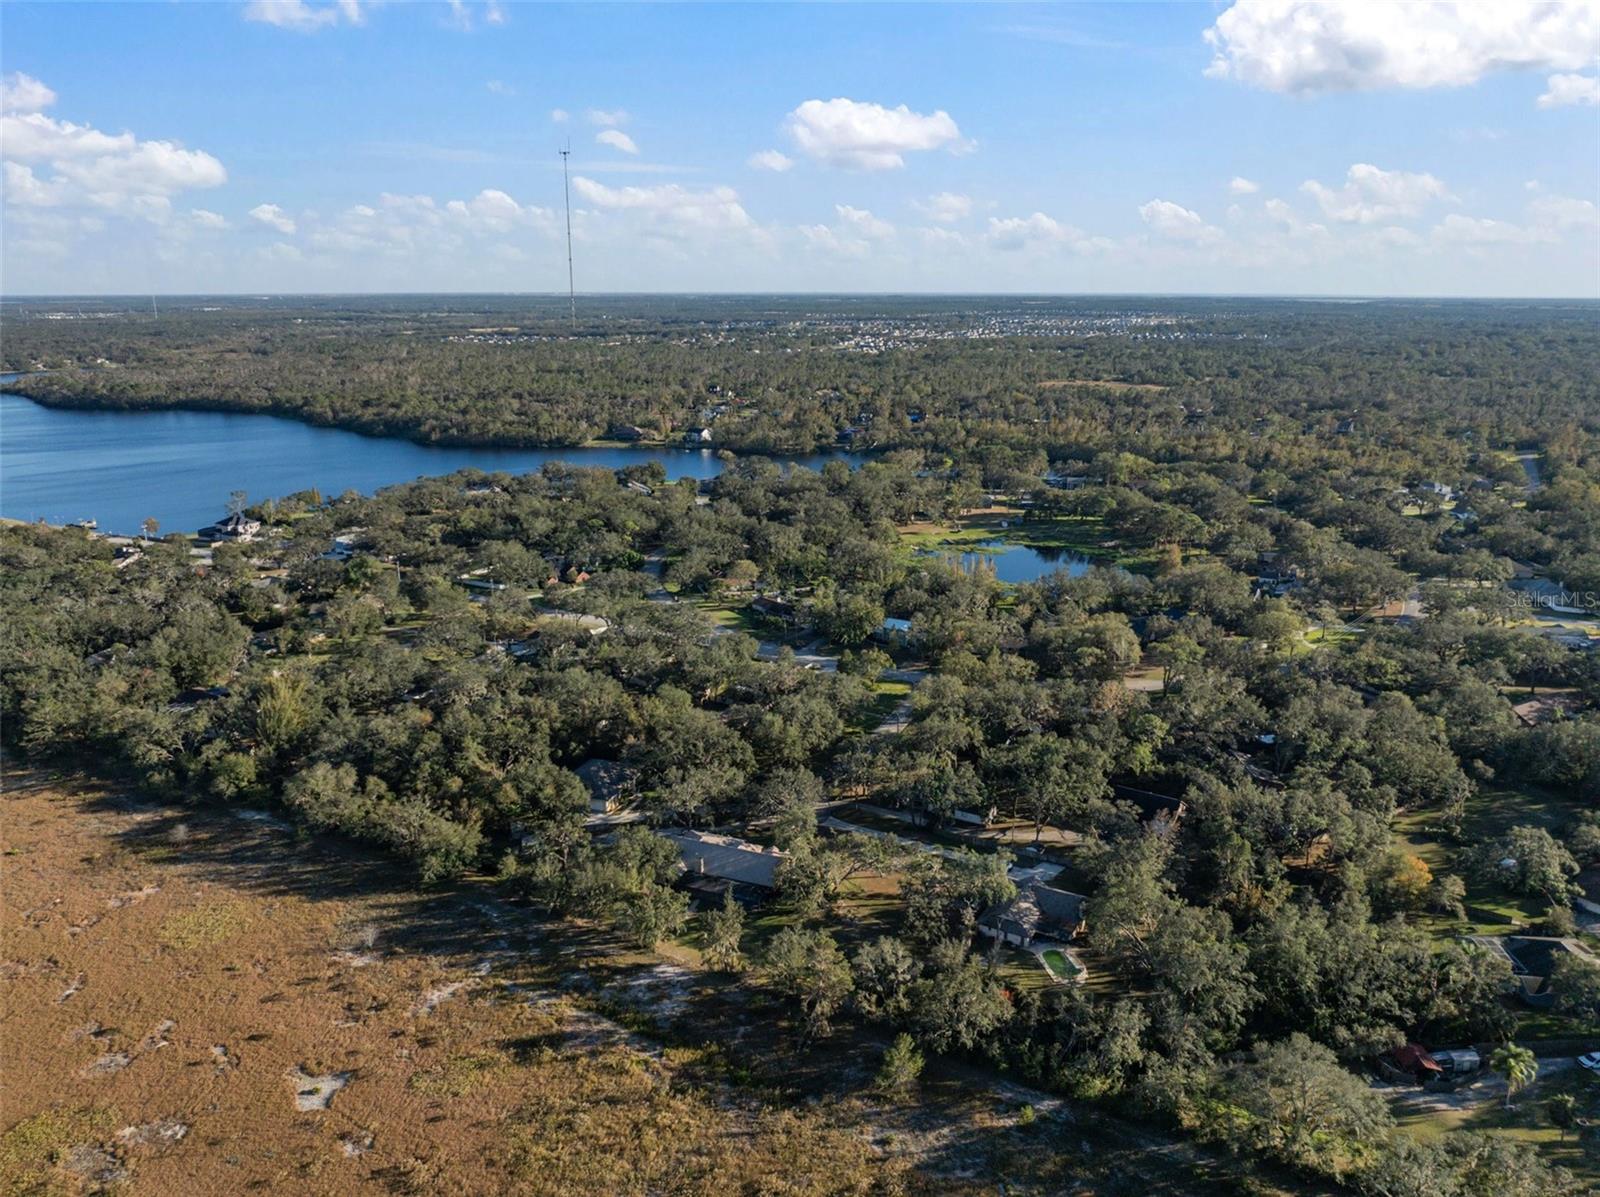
(1590, 1061)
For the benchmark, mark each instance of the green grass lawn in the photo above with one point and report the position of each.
(1491, 910)
(1528, 1121)
(1079, 534)
(886, 695)
(1019, 970)
(731, 613)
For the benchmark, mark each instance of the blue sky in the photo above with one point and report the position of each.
(1269, 146)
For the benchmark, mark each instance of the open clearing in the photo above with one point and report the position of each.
(204, 1004)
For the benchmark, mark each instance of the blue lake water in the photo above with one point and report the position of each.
(1017, 562)
(180, 466)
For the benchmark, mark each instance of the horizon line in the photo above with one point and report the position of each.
(140, 296)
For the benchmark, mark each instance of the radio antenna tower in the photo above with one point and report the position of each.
(566, 190)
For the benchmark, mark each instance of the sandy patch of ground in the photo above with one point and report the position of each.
(206, 1035)
(552, 1058)
(316, 1092)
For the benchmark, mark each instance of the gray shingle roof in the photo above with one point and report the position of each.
(727, 857)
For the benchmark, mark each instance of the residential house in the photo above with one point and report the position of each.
(1037, 912)
(237, 526)
(1272, 569)
(1533, 959)
(610, 784)
(696, 437)
(1062, 480)
(781, 609)
(343, 546)
(1547, 708)
(717, 864)
(1151, 806)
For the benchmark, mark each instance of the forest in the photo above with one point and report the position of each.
(1298, 735)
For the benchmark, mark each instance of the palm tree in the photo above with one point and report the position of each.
(1517, 1065)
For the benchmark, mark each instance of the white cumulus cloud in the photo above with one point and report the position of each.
(617, 140)
(1471, 230)
(24, 93)
(301, 16)
(1038, 230)
(774, 160)
(1550, 219)
(1562, 91)
(273, 217)
(946, 207)
(1560, 213)
(859, 135)
(53, 163)
(610, 117)
(1177, 222)
(863, 222)
(408, 226)
(1370, 194)
(1311, 46)
(670, 205)
(1238, 185)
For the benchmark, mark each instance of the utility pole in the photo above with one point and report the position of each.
(566, 191)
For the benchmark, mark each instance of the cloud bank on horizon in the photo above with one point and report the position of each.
(1439, 157)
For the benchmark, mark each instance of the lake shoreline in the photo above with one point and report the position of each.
(93, 403)
(65, 462)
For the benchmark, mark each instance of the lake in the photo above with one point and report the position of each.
(180, 466)
(1016, 563)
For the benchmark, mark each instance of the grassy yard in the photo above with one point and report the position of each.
(1021, 971)
(731, 613)
(1080, 534)
(1528, 1120)
(1491, 910)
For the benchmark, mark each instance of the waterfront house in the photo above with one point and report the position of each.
(236, 527)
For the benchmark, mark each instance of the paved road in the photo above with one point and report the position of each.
(807, 656)
(1530, 467)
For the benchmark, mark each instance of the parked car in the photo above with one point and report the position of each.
(1591, 1061)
